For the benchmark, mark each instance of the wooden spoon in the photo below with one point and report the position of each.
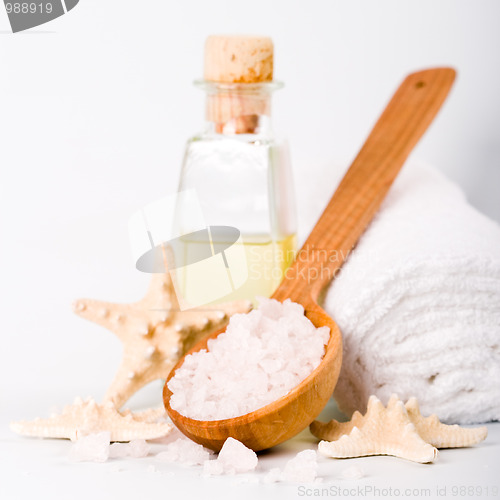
(352, 207)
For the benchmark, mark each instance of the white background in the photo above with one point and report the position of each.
(95, 108)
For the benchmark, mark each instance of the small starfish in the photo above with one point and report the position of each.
(398, 430)
(154, 332)
(381, 431)
(87, 417)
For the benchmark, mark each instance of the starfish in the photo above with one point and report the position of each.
(149, 416)
(154, 331)
(381, 431)
(398, 430)
(442, 435)
(87, 417)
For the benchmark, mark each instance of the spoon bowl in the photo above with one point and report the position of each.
(297, 409)
(350, 210)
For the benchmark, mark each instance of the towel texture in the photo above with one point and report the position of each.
(418, 304)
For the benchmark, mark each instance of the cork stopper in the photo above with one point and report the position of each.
(239, 59)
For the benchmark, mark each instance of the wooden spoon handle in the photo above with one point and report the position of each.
(364, 186)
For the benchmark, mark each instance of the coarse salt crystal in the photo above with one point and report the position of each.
(261, 357)
(353, 472)
(303, 468)
(273, 476)
(184, 451)
(137, 448)
(212, 468)
(91, 448)
(234, 458)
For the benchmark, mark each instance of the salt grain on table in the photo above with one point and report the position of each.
(234, 458)
(303, 468)
(184, 451)
(273, 476)
(137, 448)
(353, 472)
(91, 448)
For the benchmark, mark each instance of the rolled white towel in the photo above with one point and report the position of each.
(418, 304)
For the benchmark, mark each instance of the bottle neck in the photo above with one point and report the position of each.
(235, 113)
(241, 108)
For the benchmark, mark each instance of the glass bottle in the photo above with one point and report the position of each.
(242, 179)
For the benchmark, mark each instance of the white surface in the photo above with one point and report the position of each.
(94, 111)
(40, 469)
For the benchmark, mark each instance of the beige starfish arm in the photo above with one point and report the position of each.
(333, 430)
(54, 427)
(359, 443)
(441, 435)
(150, 416)
(123, 387)
(110, 315)
(161, 293)
(122, 427)
(126, 321)
(133, 376)
(134, 429)
(83, 418)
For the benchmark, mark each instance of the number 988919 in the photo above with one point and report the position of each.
(28, 8)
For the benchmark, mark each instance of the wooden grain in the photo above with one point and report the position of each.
(352, 207)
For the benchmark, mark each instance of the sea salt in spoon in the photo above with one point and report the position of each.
(352, 207)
